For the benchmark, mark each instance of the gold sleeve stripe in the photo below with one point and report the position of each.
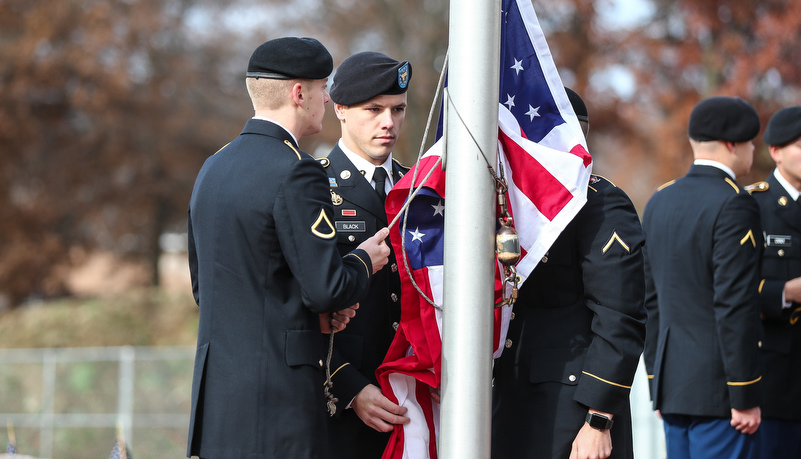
(593, 189)
(650, 376)
(341, 367)
(745, 383)
(748, 236)
(761, 284)
(363, 263)
(289, 144)
(733, 185)
(608, 382)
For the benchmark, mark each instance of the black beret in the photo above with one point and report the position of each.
(729, 119)
(365, 75)
(784, 126)
(578, 105)
(291, 57)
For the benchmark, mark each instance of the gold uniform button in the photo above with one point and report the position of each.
(395, 325)
(545, 258)
(394, 267)
(512, 317)
(759, 343)
(351, 238)
(781, 252)
(320, 362)
(394, 298)
(508, 343)
(572, 378)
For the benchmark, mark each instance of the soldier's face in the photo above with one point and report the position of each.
(315, 105)
(370, 129)
(744, 157)
(788, 161)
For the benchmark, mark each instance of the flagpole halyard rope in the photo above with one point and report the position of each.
(413, 191)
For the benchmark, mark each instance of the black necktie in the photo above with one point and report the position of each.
(380, 178)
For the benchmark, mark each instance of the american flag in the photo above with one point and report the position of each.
(547, 167)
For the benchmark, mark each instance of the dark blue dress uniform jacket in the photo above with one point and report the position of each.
(576, 336)
(362, 346)
(781, 345)
(263, 260)
(702, 263)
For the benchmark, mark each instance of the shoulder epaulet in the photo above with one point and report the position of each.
(222, 148)
(758, 186)
(732, 184)
(404, 166)
(324, 162)
(597, 181)
(665, 185)
(292, 147)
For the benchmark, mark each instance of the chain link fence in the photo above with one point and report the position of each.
(68, 403)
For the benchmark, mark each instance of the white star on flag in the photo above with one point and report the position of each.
(439, 209)
(533, 112)
(417, 235)
(518, 66)
(510, 101)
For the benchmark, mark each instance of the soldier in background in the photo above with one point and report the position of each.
(780, 287)
(702, 266)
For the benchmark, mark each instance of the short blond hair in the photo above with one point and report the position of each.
(267, 93)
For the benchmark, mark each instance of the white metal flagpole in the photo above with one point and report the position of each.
(471, 137)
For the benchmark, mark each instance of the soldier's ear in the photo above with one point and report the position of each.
(298, 93)
(340, 111)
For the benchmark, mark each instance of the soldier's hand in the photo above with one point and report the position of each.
(376, 410)
(792, 290)
(377, 248)
(746, 421)
(337, 321)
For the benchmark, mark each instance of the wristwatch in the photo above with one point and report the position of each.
(598, 421)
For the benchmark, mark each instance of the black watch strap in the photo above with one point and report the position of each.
(598, 421)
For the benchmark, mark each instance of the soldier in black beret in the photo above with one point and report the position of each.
(780, 287)
(704, 244)
(369, 94)
(563, 383)
(580, 109)
(266, 272)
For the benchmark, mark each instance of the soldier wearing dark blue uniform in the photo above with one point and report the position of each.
(703, 250)
(564, 379)
(264, 266)
(369, 95)
(780, 287)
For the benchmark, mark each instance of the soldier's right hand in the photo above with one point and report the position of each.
(377, 248)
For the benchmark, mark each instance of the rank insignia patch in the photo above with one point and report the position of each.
(322, 227)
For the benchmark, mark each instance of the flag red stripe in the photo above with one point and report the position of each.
(544, 190)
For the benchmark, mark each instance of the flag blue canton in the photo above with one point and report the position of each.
(424, 235)
(524, 89)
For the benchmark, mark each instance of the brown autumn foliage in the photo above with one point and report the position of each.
(109, 107)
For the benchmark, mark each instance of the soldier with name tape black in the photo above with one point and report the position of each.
(780, 287)
(369, 95)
